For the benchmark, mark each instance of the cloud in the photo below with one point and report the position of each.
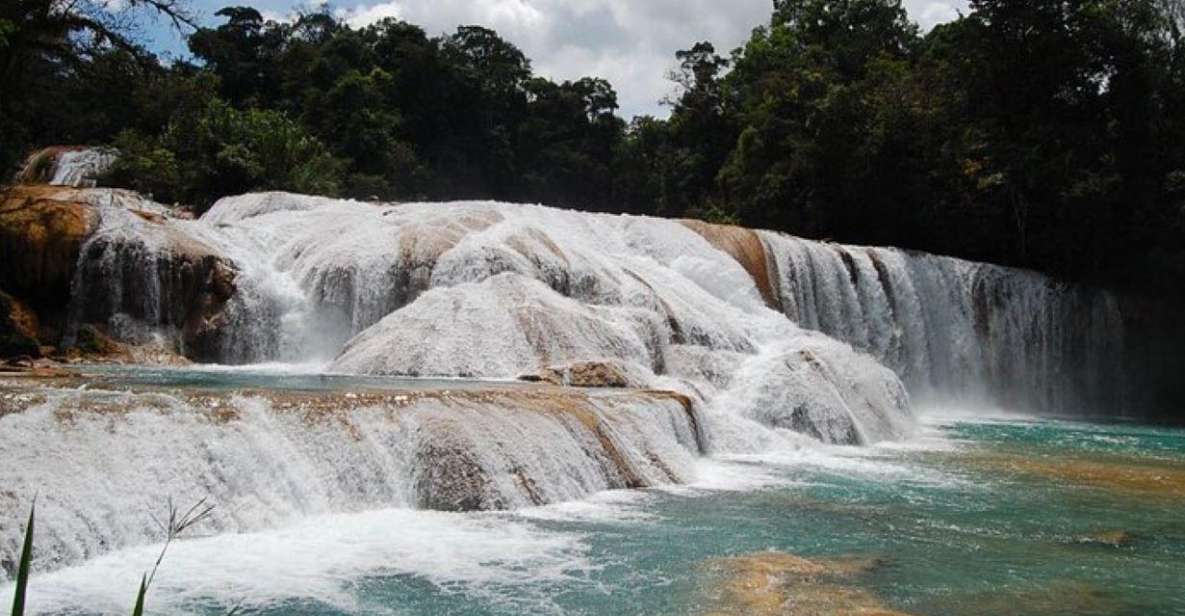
(930, 14)
(629, 42)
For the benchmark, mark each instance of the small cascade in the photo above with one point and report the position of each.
(958, 331)
(146, 280)
(483, 289)
(75, 166)
(268, 458)
(731, 341)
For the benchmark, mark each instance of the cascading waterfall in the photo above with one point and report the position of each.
(67, 166)
(267, 458)
(958, 331)
(763, 338)
(499, 290)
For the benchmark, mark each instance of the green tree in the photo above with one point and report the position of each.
(49, 47)
(701, 129)
(226, 151)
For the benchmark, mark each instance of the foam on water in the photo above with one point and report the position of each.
(269, 460)
(779, 345)
(320, 560)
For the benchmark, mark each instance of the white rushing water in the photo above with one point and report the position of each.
(771, 338)
(495, 289)
(483, 289)
(268, 460)
(958, 331)
(67, 166)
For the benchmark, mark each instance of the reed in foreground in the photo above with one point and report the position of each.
(174, 524)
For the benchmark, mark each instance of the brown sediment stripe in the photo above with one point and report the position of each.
(746, 247)
(1144, 478)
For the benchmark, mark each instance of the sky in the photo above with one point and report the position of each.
(632, 43)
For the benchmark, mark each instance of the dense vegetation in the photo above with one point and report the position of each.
(1046, 133)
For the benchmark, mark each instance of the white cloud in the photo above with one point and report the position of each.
(930, 14)
(631, 43)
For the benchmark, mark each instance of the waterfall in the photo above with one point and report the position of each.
(482, 289)
(499, 290)
(734, 341)
(958, 331)
(267, 458)
(489, 289)
(67, 166)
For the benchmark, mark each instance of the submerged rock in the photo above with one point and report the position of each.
(1109, 538)
(1064, 597)
(1142, 478)
(777, 583)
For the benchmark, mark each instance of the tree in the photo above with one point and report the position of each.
(701, 129)
(243, 53)
(43, 43)
(224, 151)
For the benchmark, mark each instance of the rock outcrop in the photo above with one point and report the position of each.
(585, 374)
(185, 294)
(56, 242)
(746, 247)
(18, 329)
(42, 229)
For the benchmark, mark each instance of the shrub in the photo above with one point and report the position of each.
(217, 150)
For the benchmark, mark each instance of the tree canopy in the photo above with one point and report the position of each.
(1040, 134)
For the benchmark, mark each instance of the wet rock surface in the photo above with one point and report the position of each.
(42, 230)
(52, 248)
(18, 329)
(585, 374)
(746, 247)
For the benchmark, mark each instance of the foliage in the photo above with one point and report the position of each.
(1038, 134)
(56, 56)
(225, 151)
(173, 525)
(22, 572)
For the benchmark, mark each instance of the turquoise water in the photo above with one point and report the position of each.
(283, 377)
(975, 517)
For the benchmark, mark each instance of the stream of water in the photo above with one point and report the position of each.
(971, 516)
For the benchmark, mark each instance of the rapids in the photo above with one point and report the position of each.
(734, 343)
(270, 457)
(489, 290)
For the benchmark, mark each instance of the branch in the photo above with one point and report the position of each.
(171, 9)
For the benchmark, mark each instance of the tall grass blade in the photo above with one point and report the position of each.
(22, 572)
(139, 609)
